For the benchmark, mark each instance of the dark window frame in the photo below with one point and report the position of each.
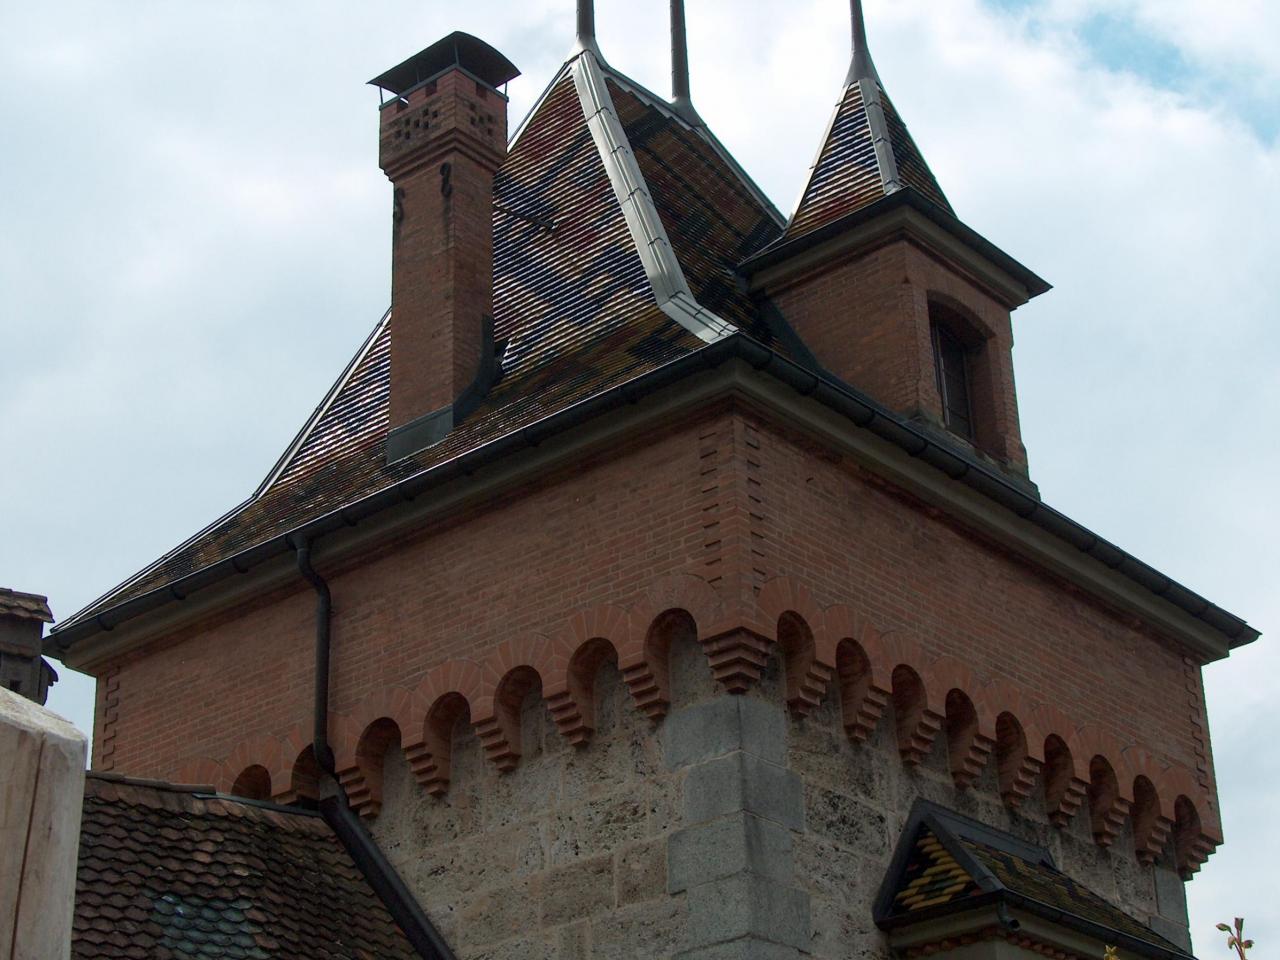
(953, 362)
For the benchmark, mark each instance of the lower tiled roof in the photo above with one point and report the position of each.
(165, 872)
(948, 864)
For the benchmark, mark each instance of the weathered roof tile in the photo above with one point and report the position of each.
(189, 879)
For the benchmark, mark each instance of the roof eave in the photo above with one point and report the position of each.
(845, 402)
(903, 210)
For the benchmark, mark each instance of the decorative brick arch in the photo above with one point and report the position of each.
(787, 611)
(918, 721)
(1066, 773)
(253, 783)
(201, 771)
(587, 639)
(1195, 833)
(262, 750)
(383, 718)
(1019, 743)
(1152, 808)
(445, 693)
(511, 670)
(304, 779)
(970, 738)
(644, 657)
(855, 650)
(304, 773)
(918, 713)
(1108, 807)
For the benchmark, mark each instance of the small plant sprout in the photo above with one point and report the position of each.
(1235, 938)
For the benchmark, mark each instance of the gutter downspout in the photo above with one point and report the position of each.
(334, 808)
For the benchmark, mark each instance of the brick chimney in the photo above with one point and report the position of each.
(22, 669)
(442, 137)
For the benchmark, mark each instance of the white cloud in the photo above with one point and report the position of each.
(193, 235)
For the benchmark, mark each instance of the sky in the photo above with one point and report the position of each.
(195, 237)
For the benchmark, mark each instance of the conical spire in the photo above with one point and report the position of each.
(867, 153)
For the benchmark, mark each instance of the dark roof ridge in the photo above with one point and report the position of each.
(101, 783)
(110, 776)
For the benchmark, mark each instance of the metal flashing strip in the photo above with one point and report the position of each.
(878, 124)
(670, 288)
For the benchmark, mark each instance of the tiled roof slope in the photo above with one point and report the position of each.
(847, 175)
(166, 873)
(952, 865)
(574, 312)
(713, 218)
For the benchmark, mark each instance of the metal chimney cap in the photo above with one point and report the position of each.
(456, 50)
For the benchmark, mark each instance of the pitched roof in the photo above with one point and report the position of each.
(24, 606)
(946, 863)
(169, 871)
(617, 226)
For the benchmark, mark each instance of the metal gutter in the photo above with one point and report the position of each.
(334, 807)
(836, 396)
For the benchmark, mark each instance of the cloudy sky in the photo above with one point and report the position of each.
(194, 237)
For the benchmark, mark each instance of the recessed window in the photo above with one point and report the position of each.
(951, 362)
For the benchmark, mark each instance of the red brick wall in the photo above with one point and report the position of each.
(867, 321)
(759, 521)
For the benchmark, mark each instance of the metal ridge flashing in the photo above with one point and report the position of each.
(666, 277)
(836, 396)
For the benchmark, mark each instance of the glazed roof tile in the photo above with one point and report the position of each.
(849, 174)
(574, 313)
(166, 872)
(947, 863)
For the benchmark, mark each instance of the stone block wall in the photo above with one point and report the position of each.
(730, 829)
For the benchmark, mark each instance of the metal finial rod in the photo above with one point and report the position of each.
(861, 68)
(586, 23)
(679, 56)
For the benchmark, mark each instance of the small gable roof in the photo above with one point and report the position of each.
(946, 863)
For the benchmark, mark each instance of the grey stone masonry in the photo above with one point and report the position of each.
(734, 859)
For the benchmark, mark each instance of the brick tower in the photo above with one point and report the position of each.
(664, 577)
